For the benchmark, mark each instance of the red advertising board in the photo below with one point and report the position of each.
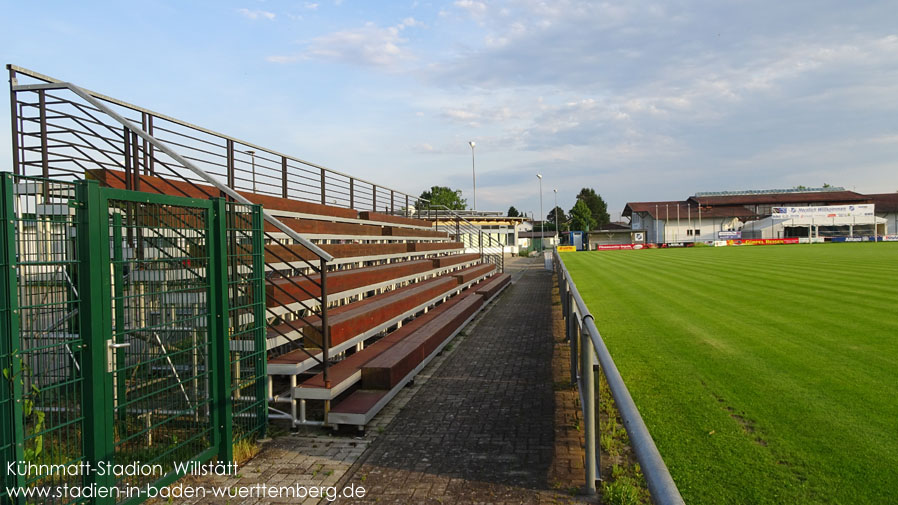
(763, 241)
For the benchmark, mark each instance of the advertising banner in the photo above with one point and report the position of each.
(729, 235)
(619, 247)
(567, 248)
(763, 241)
(867, 238)
(828, 211)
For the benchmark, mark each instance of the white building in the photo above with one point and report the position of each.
(705, 216)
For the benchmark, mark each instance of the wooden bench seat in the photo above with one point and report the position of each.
(348, 371)
(468, 274)
(170, 186)
(493, 285)
(387, 369)
(317, 227)
(284, 291)
(455, 259)
(397, 231)
(358, 319)
(358, 403)
(297, 252)
(299, 325)
(397, 220)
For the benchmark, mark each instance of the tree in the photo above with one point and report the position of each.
(442, 195)
(581, 217)
(598, 209)
(562, 219)
(513, 212)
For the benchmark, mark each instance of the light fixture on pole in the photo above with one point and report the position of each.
(252, 155)
(541, 221)
(555, 211)
(473, 173)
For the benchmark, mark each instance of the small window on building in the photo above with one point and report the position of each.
(689, 233)
(697, 233)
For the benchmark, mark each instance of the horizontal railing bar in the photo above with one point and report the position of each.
(57, 84)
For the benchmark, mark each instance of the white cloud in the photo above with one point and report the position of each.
(311, 6)
(369, 45)
(472, 7)
(256, 14)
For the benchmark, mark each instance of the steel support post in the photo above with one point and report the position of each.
(283, 176)
(95, 322)
(229, 149)
(587, 384)
(323, 197)
(219, 341)
(325, 335)
(14, 121)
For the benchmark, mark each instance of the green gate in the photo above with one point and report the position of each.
(133, 337)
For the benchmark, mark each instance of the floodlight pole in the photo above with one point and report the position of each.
(473, 174)
(555, 210)
(541, 220)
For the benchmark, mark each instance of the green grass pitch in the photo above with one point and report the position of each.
(765, 374)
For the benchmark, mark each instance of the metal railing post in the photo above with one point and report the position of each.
(323, 197)
(572, 339)
(587, 385)
(14, 121)
(229, 147)
(325, 336)
(283, 177)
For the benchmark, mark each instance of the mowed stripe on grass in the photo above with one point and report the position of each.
(765, 374)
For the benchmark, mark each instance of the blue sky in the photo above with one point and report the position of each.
(639, 100)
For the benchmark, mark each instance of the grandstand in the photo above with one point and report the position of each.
(361, 289)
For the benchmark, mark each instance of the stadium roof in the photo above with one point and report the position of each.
(669, 209)
(769, 191)
(823, 197)
(885, 202)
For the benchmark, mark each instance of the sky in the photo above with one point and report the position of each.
(638, 100)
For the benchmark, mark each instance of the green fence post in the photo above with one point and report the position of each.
(93, 254)
(259, 319)
(222, 403)
(12, 427)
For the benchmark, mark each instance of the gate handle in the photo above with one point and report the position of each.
(113, 345)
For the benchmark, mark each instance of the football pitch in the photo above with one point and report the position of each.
(764, 374)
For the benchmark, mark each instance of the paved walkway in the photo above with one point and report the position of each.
(482, 429)
(484, 422)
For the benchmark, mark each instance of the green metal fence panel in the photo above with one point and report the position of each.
(10, 389)
(132, 331)
(246, 289)
(162, 354)
(42, 351)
